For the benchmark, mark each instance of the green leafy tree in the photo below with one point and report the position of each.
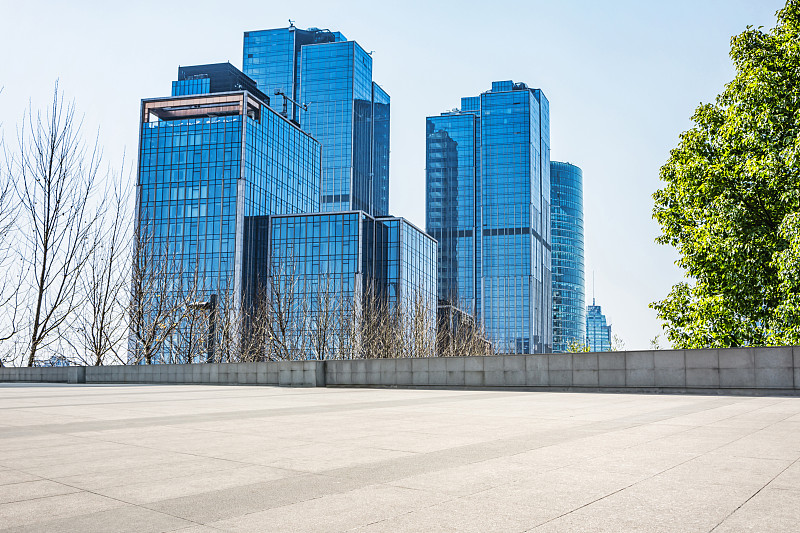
(732, 200)
(787, 262)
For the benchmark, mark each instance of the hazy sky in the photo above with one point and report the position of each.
(623, 79)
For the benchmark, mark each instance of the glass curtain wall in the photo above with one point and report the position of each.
(347, 112)
(598, 332)
(569, 306)
(203, 174)
(451, 205)
(380, 150)
(323, 263)
(492, 157)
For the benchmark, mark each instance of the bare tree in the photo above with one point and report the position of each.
(191, 338)
(160, 296)
(459, 334)
(617, 343)
(419, 328)
(288, 310)
(325, 313)
(11, 281)
(348, 327)
(54, 172)
(100, 326)
(250, 328)
(380, 325)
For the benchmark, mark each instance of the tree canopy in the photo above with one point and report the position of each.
(731, 201)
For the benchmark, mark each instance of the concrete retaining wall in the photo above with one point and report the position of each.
(775, 369)
(739, 369)
(284, 373)
(35, 375)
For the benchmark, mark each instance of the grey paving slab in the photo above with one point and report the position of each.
(203, 458)
(60, 508)
(652, 505)
(31, 490)
(126, 519)
(10, 476)
(771, 510)
(336, 512)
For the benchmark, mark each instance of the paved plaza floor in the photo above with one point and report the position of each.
(204, 459)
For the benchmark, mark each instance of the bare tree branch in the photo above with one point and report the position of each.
(100, 328)
(54, 174)
(159, 299)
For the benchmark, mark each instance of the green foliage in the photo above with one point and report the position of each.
(731, 204)
(576, 346)
(655, 343)
(617, 344)
(787, 263)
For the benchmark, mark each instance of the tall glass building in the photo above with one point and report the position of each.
(598, 333)
(488, 206)
(212, 156)
(345, 111)
(566, 208)
(325, 263)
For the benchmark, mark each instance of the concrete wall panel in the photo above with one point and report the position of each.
(559, 370)
(774, 368)
(455, 367)
(702, 369)
(403, 375)
(724, 369)
(796, 357)
(536, 371)
(493, 371)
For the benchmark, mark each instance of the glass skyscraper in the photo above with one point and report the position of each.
(488, 206)
(566, 206)
(212, 156)
(598, 333)
(345, 110)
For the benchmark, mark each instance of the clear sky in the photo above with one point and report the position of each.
(623, 78)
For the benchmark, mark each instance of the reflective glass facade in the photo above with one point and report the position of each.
(347, 112)
(191, 86)
(566, 206)
(598, 333)
(451, 216)
(341, 253)
(272, 59)
(208, 163)
(488, 206)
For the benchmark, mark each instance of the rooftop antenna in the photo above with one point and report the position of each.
(593, 303)
(291, 23)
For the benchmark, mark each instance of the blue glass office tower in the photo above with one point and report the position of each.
(347, 112)
(598, 333)
(566, 207)
(212, 156)
(488, 206)
(326, 263)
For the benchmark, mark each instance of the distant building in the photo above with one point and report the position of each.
(598, 333)
(566, 208)
(55, 360)
(488, 206)
(347, 112)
